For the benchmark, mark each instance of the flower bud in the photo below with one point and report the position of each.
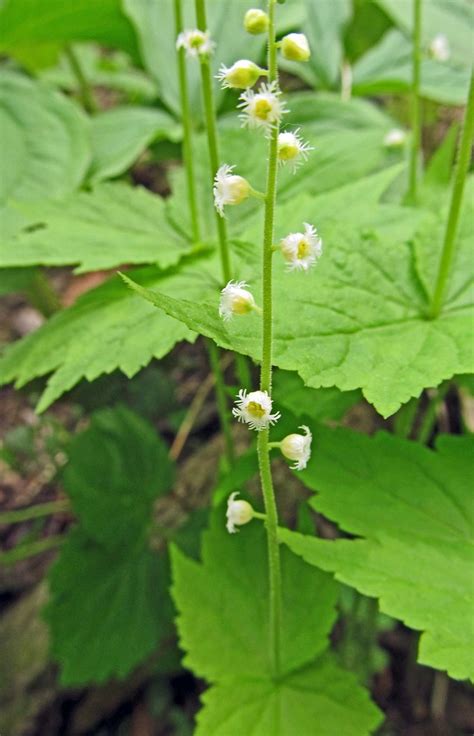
(229, 189)
(295, 47)
(439, 48)
(395, 138)
(297, 447)
(256, 21)
(241, 75)
(235, 299)
(238, 513)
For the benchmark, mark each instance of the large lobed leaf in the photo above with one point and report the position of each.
(109, 606)
(112, 224)
(360, 319)
(412, 508)
(223, 626)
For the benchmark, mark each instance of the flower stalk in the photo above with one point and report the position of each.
(462, 165)
(187, 128)
(271, 521)
(416, 104)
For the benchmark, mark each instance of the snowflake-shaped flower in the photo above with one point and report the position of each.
(195, 42)
(229, 189)
(255, 409)
(292, 149)
(262, 109)
(235, 299)
(302, 250)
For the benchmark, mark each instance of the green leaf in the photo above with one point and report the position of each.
(318, 404)
(107, 611)
(453, 18)
(223, 626)
(15, 279)
(45, 140)
(157, 39)
(30, 23)
(111, 225)
(120, 135)
(359, 319)
(107, 328)
(320, 699)
(412, 508)
(117, 468)
(387, 69)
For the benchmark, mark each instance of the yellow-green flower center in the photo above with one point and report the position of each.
(196, 41)
(262, 108)
(287, 151)
(304, 249)
(255, 409)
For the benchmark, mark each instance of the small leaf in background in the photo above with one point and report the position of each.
(120, 135)
(117, 468)
(412, 508)
(108, 609)
(223, 626)
(113, 224)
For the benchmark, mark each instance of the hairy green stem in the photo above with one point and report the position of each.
(271, 522)
(187, 127)
(416, 104)
(221, 400)
(211, 127)
(85, 92)
(15, 516)
(462, 165)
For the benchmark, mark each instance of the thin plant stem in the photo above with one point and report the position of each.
(212, 141)
(187, 127)
(271, 522)
(22, 551)
(416, 104)
(15, 516)
(431, 414)
(85, 92)
(221, 401)
(42, 295)
(462, 165)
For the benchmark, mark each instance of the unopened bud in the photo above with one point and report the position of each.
(241, 75)
(256, 21)
(238, 513)
(295, 47)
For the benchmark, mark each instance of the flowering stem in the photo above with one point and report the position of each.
(271, 522)
(187, 127)
(464, 154)
(211, 127)
(416, 108)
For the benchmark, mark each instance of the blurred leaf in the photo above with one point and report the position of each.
(222, 622)
(111, 225)
(29, 23)
(387, 69)
(413, 509)
(108, 609)
(15, 279)
(367, 26)
(319, 404)
(120, 135)
(453, 18)
(117, 468)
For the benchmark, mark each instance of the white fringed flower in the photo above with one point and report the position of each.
(235, 299)
(255, 409)
(295, 47)
(292, 149)
(241, 75)
(195, 42)
(256, 21)
(238, 513)
(229, 189)
(302, 250)
(297, 447)
(262, 109)
(439, 48)
(395, 138)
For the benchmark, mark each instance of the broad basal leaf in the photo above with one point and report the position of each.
(111, 225)
(120, 135)
(319, 404)
(107, 610)
(116, 469)
(106, 329)
(359, 319)
(45, 141)
(413, 509)
(223, 626)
